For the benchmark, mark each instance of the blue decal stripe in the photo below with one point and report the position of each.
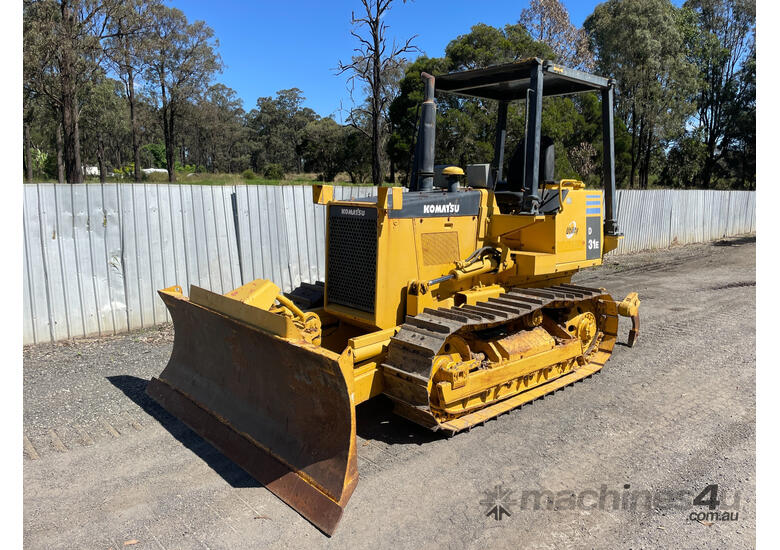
(589, 203)
(593, 210)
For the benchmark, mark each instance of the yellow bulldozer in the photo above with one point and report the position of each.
(454, 298)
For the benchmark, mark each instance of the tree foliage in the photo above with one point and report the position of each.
(131, 84)
(181, 60)
(465, 127)
(325, 147)
(128, 53)
(640, 43)
(276, 129)
(721, 44)
(102, 130)
(213, 131)
(548, 22)
(63, 50)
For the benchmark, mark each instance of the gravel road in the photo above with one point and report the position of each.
(618, 457)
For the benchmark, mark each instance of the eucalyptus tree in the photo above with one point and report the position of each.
(215, 132)
(721, 44)
(641, 44)
(63, 48)
(105, 131)
(325, 147)
(464, 126)
(277, 128)
(374, 61)
(127, 56)
(180, 63)
(548, 22)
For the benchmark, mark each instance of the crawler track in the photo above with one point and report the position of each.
(409, 363)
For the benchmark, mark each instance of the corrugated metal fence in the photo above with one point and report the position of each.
(94, 255)
(662, 218)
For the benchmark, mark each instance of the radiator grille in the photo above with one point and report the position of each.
(351, 277)
(440, 248)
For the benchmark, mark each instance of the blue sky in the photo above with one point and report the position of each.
(267, 45)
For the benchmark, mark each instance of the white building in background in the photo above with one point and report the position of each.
(95, 171)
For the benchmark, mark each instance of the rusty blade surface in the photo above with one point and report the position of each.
(281, 410)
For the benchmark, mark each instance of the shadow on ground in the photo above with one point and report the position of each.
(135, 389)
(375, 420)
(735, 241)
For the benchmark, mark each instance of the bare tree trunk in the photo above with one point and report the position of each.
(70, 107)
(170, 147)
(101, 157)
(60, 155)
(27, 153)
(376, 168)
(71, 145)
(373, 57)
(167, 118)
(230, 159)
(709, 162)
(633, 149)
(199, 157)
(134, 126)
(648, 150)
(640, 151)
(131, 100)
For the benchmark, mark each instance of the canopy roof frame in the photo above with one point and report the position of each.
(531, 79)
(511, 81)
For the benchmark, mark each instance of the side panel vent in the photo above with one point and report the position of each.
(440, 248)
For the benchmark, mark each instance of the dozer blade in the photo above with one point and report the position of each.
(281, 409)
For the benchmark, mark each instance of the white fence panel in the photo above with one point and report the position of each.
(171, 265)
(59, 289)
(38, 328)
(95, 255)
(294, 258)
(95, 231)
(205, 221)
(110, 196)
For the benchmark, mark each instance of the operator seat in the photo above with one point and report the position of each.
(510, 194)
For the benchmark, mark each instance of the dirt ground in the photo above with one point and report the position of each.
(614, 461)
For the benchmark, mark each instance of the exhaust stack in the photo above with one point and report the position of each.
(427, 136)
